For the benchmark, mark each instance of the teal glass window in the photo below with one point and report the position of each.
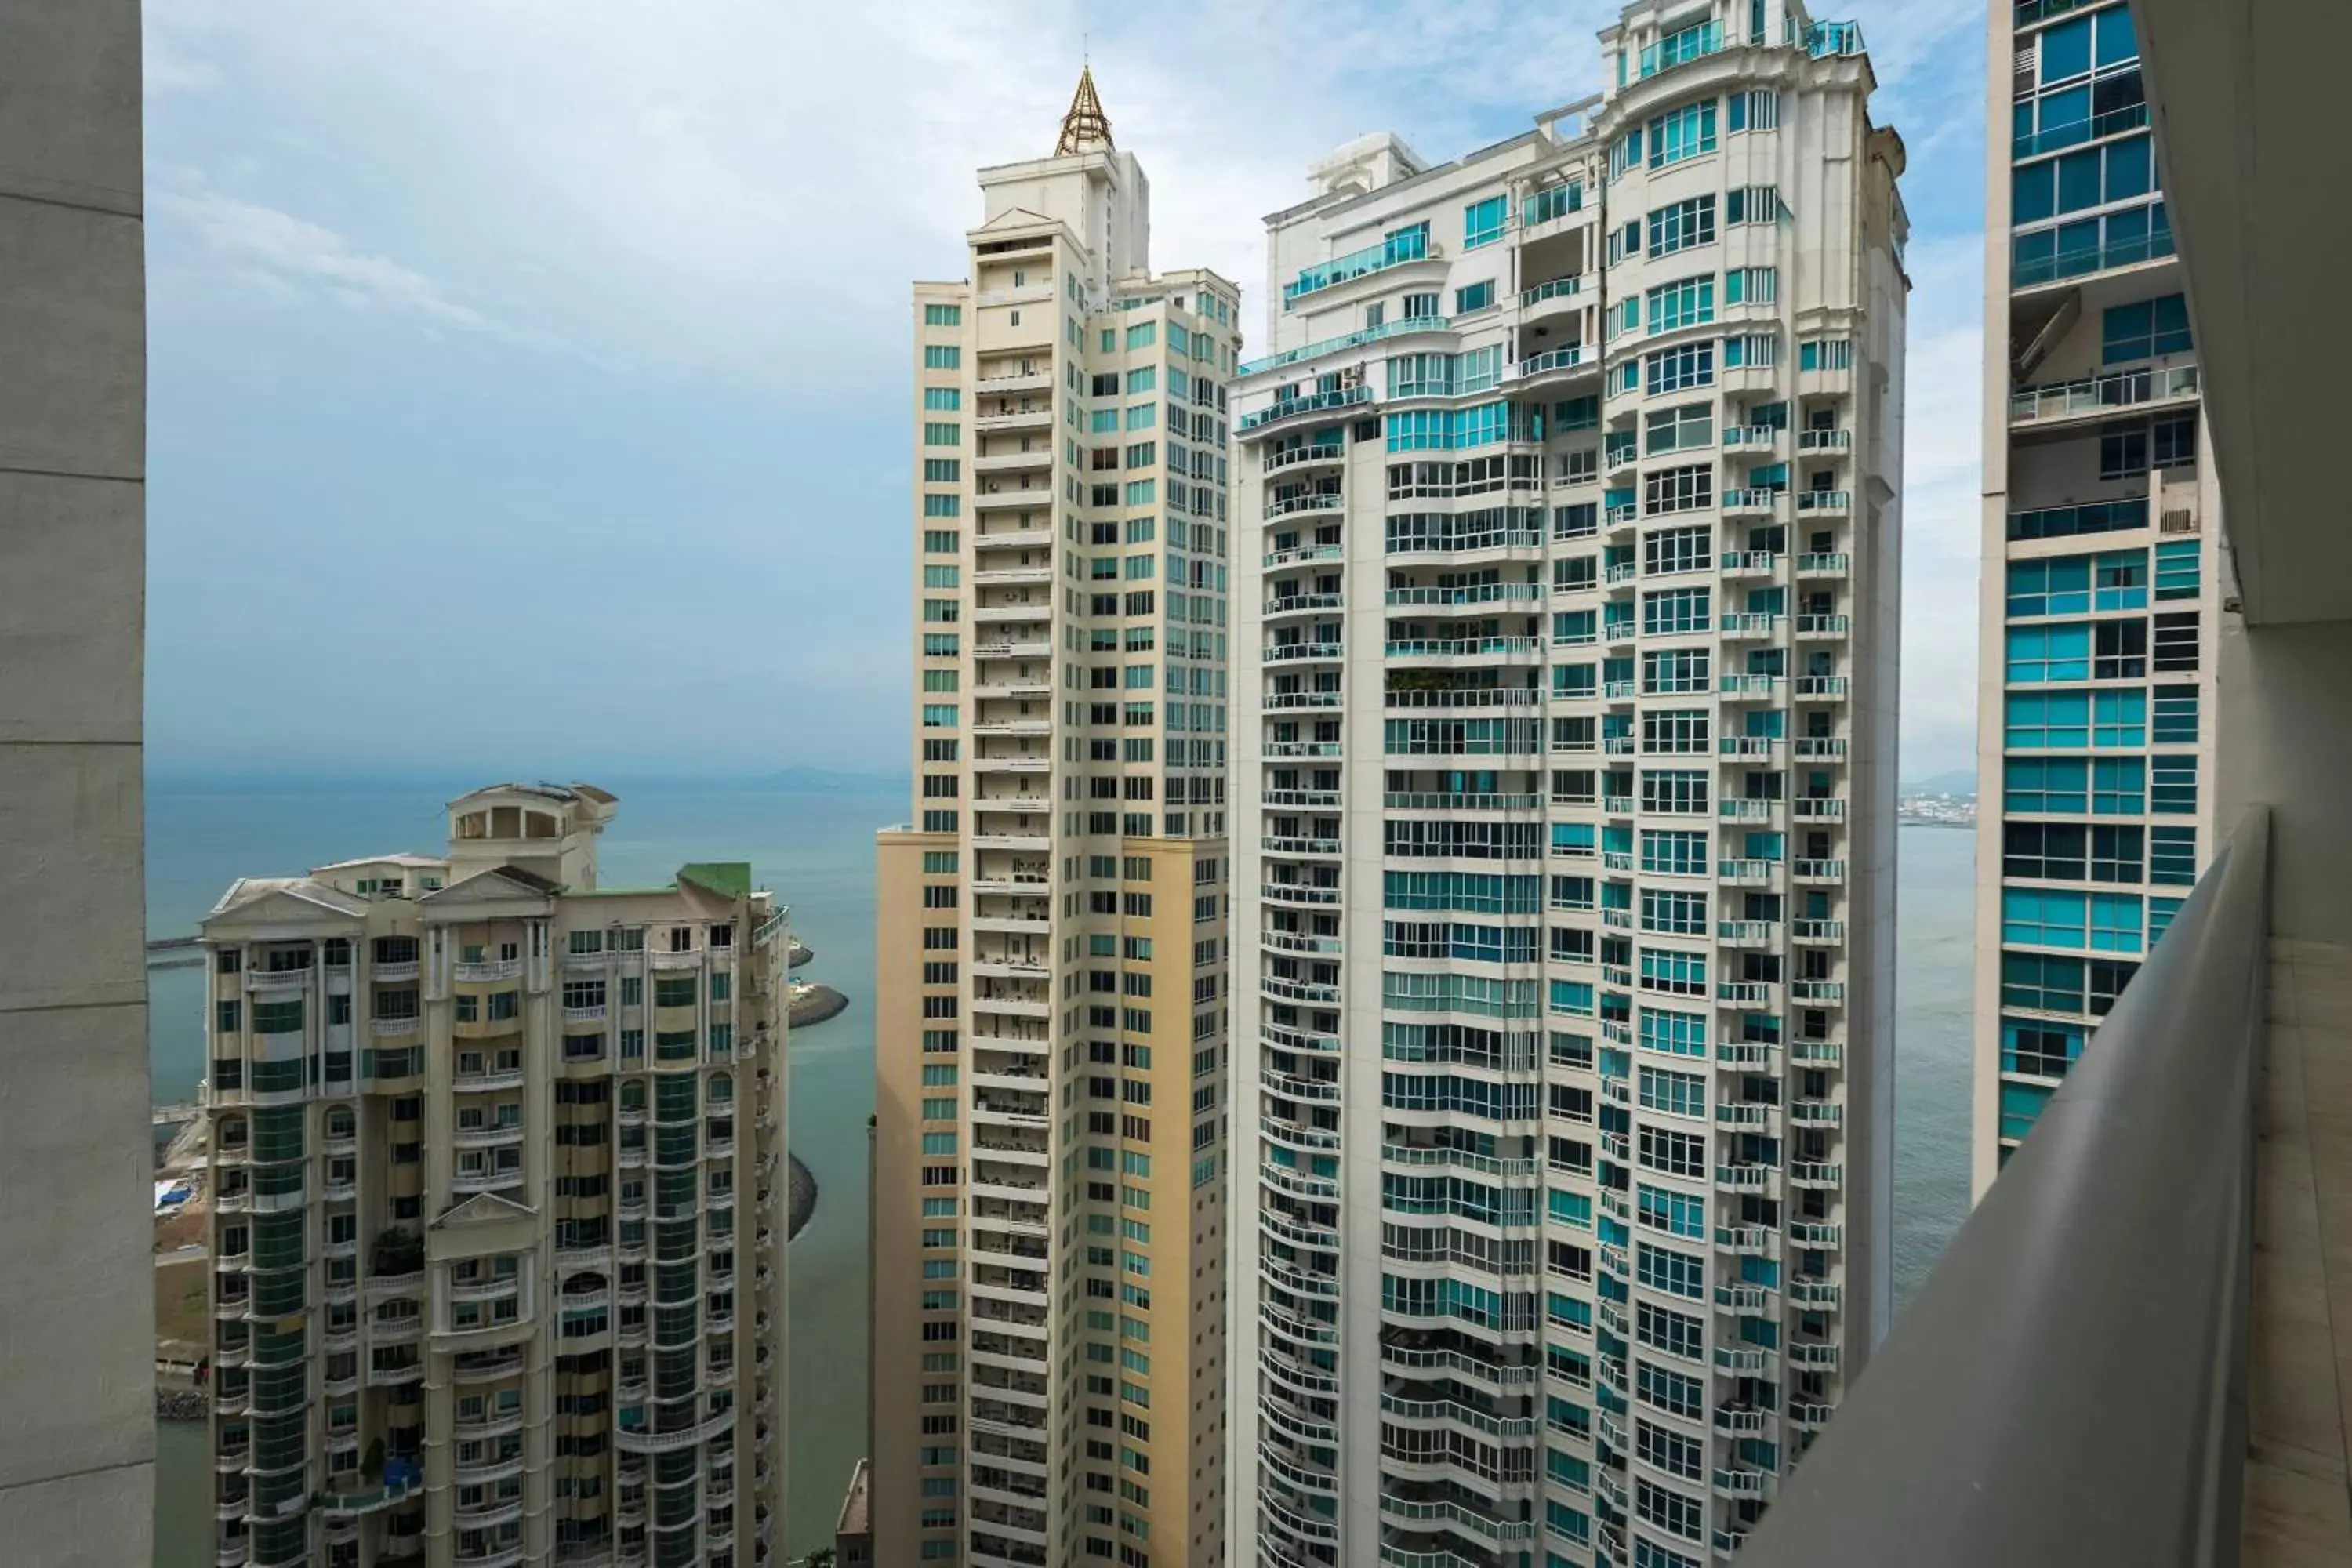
(2160, 917)
(2119, 580)
(2172, 856)
(2172, 785)
(2176, 715)
(1482, 221)
(1477, 296)
(2145, 330)
(2118, 786)
(1676, 1034)
(1572, 997)
(2180, 569)
(1681, 133)
(2118, 718)
(2040, 983)
(2116, 922)
(2054, 721)
(2021, 1107)
(2042, 654)
(2045, 787)
(2036, 917)
(2040, 1047)
(1688, 303)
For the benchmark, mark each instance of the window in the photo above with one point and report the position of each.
(2176, 648)
(1825, 353)
(2172, 856)
(943, 399)
(1674, 853)
(1682, 430)
(1681, 133)
(1675, 732)
(1751, 285)
(1678, 369)
(1477, 296)
(2178, 570)
(1680, 227)
(942, 356)
(942, 434)
(2091, 177)
(1668, 491)
(1674, 792)
(2042, 654)
(2176, 715)
(2145, 329)
(1689, 302)
(2172, 785)
(943, 315)
(1756, 110)
(1677, 1093)
(1754, 204)
(1667, 550)
(1673, 671)
(1482, 221)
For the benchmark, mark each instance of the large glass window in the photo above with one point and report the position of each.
(1681, 133)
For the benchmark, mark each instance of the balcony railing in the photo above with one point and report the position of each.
(2086, 260)
(1346, 341)
(2069, 1385)
(2097, 393)
(1406, 245)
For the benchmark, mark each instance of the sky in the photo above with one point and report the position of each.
(528, 376)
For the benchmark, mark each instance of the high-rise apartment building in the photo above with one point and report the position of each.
(77, 1451)
(2102, 591)
(1049, 1211)
(499, 1206)
(1565, 821)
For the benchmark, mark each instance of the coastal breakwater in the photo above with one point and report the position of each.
(815, 1004)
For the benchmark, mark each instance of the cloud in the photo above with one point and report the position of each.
(711, 213)
(288, 256)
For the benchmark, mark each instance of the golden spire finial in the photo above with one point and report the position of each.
(1086, 127)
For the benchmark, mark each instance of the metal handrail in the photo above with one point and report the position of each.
(2069, 1385)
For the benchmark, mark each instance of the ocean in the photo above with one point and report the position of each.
(816, 850)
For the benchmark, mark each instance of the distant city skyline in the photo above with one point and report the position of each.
(539, 383)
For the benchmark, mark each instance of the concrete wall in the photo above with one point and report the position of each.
(78, 1437)
(897, 1345)
(2285, 693)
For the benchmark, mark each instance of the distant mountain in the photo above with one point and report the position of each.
(1961, 781)
(828, 780)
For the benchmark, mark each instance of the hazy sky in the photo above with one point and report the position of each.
(529, 375)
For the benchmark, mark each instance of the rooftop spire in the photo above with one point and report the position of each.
(1086, 127)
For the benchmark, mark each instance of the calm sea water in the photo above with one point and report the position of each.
(817, 852)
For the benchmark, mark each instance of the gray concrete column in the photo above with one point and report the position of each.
(77, 1428)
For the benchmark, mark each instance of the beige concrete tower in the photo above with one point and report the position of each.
(499, 1205)
(1049, 1147)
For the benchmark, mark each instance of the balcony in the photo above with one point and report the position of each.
(2081, 261)
(1394, 250)
(1314, 403)
(2108, 1300)
(2099, 397)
